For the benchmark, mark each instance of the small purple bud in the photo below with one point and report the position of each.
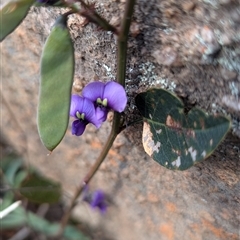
(96, 199)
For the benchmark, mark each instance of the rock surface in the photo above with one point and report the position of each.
(190, 47)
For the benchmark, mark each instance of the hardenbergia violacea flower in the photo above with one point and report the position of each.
(106, 96)
(83, 110)
(96, 199)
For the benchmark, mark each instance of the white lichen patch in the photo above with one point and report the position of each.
(236, 127)
(234, 89)
(204, 154)
(177, 162)
(231, 102)
(109, 71)
(193, 153)
(149, 78)
(147, 139)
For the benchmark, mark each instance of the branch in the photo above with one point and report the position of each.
(91, 15)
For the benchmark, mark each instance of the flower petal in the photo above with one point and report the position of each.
(97, 197)
(103, 207)
(101, 114)
(89, 110)
(93, 91)
(116, 96)
(76, 105)
(98, 200)
(78, 127)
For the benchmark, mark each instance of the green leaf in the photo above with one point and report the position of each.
(19, 178)
(10, 166)
(12, 14)
(51, 229)
(7, 200)
(57, 70)
(72, 233)
(41, 225)
(173, 138)
(41, 190)
(15, 219)
(20, 217)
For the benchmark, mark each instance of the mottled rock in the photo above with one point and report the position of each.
(147, 200)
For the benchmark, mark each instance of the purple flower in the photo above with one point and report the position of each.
(96, 200)
(106, 96)
(83, 110)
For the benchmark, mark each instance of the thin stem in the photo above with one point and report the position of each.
(131, 123)
(90, 174)
(108, 145)
(116, 127)
(122, 42)
(69, 13)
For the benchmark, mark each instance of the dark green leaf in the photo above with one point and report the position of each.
(174, 139)
(57, 69)
(12, 14)
(41, 190)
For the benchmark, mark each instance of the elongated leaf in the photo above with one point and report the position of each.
(174, 139)
(41, 190)
(57, 69)
(12, 14)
